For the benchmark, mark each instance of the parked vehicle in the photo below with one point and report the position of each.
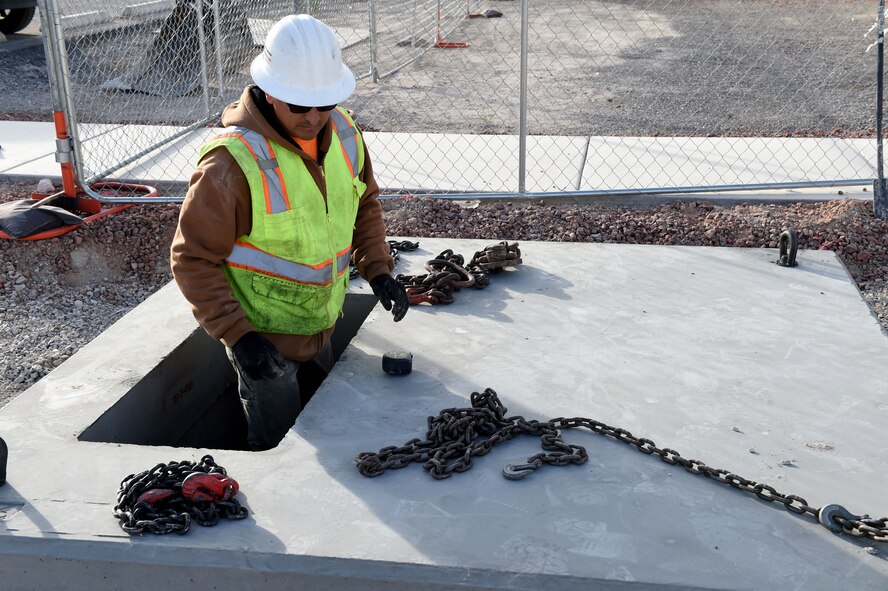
(15, 15)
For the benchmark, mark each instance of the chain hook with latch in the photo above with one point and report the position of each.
(789, 246)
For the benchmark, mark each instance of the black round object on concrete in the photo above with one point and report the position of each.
(397, 363)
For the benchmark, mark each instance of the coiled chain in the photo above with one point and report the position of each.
(173, 513)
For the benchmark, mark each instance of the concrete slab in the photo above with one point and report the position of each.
(174, 162)
(614, 162)
(867, 149)
(28, 147)
(453, 162)
(717, 353)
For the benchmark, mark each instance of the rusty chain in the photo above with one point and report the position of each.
(174, 513)
(448, 273)
(457, 435)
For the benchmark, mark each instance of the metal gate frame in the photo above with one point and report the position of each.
(69, 145)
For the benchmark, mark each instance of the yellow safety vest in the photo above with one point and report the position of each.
(290, 273)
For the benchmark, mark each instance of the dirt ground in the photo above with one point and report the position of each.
(58, 294)
(615, 67)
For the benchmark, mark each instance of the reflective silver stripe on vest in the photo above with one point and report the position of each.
(263, 262)
(348, 137)
(268, 166)
(343, 260)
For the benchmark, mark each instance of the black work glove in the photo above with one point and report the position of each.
(258, 357)
(387, 290)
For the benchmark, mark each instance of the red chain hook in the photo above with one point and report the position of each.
(213, 487)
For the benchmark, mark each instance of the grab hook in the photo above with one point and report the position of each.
(519, 471)
(789, 246)
(828, 513)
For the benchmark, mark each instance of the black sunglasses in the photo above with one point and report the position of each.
(300, 110)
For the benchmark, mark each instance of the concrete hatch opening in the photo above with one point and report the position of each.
(190, 398)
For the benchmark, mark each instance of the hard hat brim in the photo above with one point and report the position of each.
(332, 94)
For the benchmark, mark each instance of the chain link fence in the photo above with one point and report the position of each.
(497, 96)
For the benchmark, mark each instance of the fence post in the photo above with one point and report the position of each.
(217, 33)
(374, 71)
(4, 454)
(202, 44)
(67, 143)
(522, 103)
(880, 199)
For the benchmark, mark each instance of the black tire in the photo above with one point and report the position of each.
(14, 20)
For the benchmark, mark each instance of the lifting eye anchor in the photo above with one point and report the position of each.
(789, 246)
(827, 514)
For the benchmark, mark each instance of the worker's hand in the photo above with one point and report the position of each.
(387, 289)
(258, 357)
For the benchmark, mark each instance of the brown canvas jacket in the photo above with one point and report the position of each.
(217, 211)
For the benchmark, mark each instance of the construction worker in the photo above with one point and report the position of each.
(280, 201)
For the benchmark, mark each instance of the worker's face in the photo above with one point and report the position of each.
(305, 126)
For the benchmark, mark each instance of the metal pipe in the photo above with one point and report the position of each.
(46, 11)
(522, 103)
(438, 37)
(202, 45)
(101, 175)
(64, 142)
(57, 55)
(4, 456)
(217, 31)
(880, 199)
(399, 66)
(583, 156)
(633, 192)
(538, 195)
(374, 72)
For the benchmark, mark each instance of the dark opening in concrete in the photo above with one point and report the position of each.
(190, 399)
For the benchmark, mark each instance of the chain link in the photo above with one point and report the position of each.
(457, 435)
(395, 249)
(448, 273)
(173, 513)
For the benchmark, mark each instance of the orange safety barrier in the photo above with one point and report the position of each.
(91, 206)
(69, 178)
(440, 43)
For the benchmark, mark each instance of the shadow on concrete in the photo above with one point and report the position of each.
(569, 521)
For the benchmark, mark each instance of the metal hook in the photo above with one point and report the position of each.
(827, 513)
(519, 471)
(789, 246)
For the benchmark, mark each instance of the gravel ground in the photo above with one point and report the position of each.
(56, 295)
(696, 67)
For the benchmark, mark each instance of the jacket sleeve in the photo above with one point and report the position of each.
(216, 211)
(370, 248)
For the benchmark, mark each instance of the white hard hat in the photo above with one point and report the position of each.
(302, 64)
